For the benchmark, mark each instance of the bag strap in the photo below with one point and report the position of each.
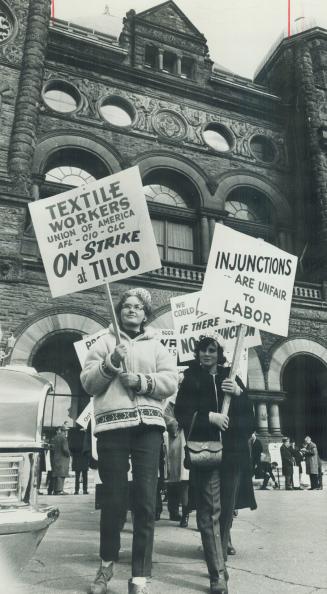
(192, 425)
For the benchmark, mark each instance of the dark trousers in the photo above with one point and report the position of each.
(231, 469)
(143, 444)
(288, 480)
(208, 510)
(78, 474)
(177, 493)
(50, 482)
(314, 481)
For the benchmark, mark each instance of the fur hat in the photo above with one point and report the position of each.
(142, 294)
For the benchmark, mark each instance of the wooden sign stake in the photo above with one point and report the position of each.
(114, 321)
(235, 364)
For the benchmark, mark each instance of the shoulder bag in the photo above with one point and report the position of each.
(202, 454)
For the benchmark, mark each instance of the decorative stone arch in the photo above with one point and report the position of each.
(33, 335)
(161, 318)
(57, 141)
(153, 161)
(256, 379)
(288, 350)
(236, 180)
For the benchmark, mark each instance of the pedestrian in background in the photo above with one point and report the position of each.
(310, 453)
(287, 462)
(60, 460)
(41, 463)
(80, 449)
(256, 450)
(267, 471)
(128, 421)
(178, 475)
(297, 460)
(216, 488)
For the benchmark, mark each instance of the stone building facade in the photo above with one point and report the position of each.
(77, 104)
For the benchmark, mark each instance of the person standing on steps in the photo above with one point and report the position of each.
(128, 422)
(287, 462)
(60, 460)
(310, 453)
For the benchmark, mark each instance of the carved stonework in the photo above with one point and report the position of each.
(23, 132)
(6, 25)
(322, 108)
(242, 132)
(170, 39)
(156, 116)
(169, 124)
(212, 185)
(6, 94)
(11, 46)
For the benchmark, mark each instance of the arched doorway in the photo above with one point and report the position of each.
(56, 359)
(304, 412)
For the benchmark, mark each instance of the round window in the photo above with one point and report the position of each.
(263, 149)
(117, 111)
(217, 137)
(61, 96)
(6, 25)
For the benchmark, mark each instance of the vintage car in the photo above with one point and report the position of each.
(23, 521)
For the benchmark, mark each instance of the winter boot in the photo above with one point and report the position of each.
(104, 574)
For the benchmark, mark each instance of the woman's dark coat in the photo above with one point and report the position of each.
(287, 460)
(60, 456)
(80, 449)
(197, 394)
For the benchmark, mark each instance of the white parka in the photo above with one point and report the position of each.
(114, 406)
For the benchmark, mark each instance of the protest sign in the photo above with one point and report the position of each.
(95, 234)
(190, 322)
(168, 340)
(249, 281)
(83, 346)
(165, 335)
(86, 415)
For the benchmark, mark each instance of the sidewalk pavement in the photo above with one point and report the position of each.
(281, 549)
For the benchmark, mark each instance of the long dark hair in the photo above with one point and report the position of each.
(202, 345)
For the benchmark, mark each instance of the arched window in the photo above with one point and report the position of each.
(251, 212)
(171, 201)
(72, 176)
(72, 167)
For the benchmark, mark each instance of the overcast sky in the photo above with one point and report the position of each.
(239, 32)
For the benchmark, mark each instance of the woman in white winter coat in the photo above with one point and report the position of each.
(128, 422)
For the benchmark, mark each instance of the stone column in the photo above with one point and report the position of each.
(316, 167)
(205, 241)
(262, 418)
(273, 420)
(212, 223)
(179, 66)
(282, 240)
(29, 93)
(160, 59)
